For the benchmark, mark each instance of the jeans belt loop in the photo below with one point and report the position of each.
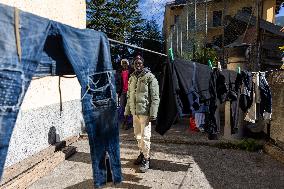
(17, 33)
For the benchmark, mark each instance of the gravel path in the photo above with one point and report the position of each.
(173, 166)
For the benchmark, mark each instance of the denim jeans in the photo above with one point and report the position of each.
(27, 41)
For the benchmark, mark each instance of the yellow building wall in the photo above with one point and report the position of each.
(228, 7)
(269, 7)
(169, 18)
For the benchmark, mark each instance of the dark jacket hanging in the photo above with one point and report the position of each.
(177, 90)
(167, 112)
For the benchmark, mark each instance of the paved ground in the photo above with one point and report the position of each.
(173, 166)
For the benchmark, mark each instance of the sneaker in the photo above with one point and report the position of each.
(145, 165)
(139, 159)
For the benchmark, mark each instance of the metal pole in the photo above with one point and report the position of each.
(206, 21)
(181, 42)
(195, 29)
(256, 65)
(223, 35)
(177, 38)
(206, 31)
(187, 22)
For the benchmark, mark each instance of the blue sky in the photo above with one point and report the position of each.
(281, 13)
(153, 9)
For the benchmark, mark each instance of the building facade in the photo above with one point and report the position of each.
(188, 22)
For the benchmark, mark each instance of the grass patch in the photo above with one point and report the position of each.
(246, 144)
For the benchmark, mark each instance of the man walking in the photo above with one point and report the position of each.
(142, 102)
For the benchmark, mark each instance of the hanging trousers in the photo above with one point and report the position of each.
(26, 41)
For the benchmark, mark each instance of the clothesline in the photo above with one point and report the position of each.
(275, 70)
(136, 47)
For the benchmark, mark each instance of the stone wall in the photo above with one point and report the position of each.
(276, 81)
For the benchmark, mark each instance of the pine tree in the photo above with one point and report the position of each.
(152, 40)
(119, 19)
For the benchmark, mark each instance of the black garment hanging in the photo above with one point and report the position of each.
(244, 82)
(168, 110)
(265, 95)
(177, 85)
(218, 93)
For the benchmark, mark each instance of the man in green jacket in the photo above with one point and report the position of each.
(142, 102)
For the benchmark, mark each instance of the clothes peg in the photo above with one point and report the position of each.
(239, 69)
(219, 66)
(171, 54)
(210, 64)
(281, 48)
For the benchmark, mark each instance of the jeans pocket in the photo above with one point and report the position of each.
(11, 89)
(101, 89)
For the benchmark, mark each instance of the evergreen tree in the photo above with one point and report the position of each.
(152, 40)
(120, 20)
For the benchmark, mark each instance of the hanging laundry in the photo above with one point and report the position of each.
(181, 91)
(218, 93)
(89, 55)
(233, 96)
(168, 108)
(177, 92)
(244, 81)
(265, 97)
(261, 97)
(252, 115)
(200, 120)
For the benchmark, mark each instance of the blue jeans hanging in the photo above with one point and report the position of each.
(23, 45)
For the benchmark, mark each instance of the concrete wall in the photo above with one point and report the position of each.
(70, 12)
(40, 115)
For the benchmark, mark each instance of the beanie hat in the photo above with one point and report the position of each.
(124, 60)
(138, 57)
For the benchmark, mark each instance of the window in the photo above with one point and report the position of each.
(247, 10)
(176, 18)
(191, 20)
(217, 18)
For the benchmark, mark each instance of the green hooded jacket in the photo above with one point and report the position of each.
(142, 95)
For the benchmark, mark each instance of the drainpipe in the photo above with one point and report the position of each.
(206, 31)
(257, 62)
(195, 30)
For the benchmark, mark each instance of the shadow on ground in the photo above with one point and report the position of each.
(222, 168)
(81, 157)
(89, 184)
(162, 165)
